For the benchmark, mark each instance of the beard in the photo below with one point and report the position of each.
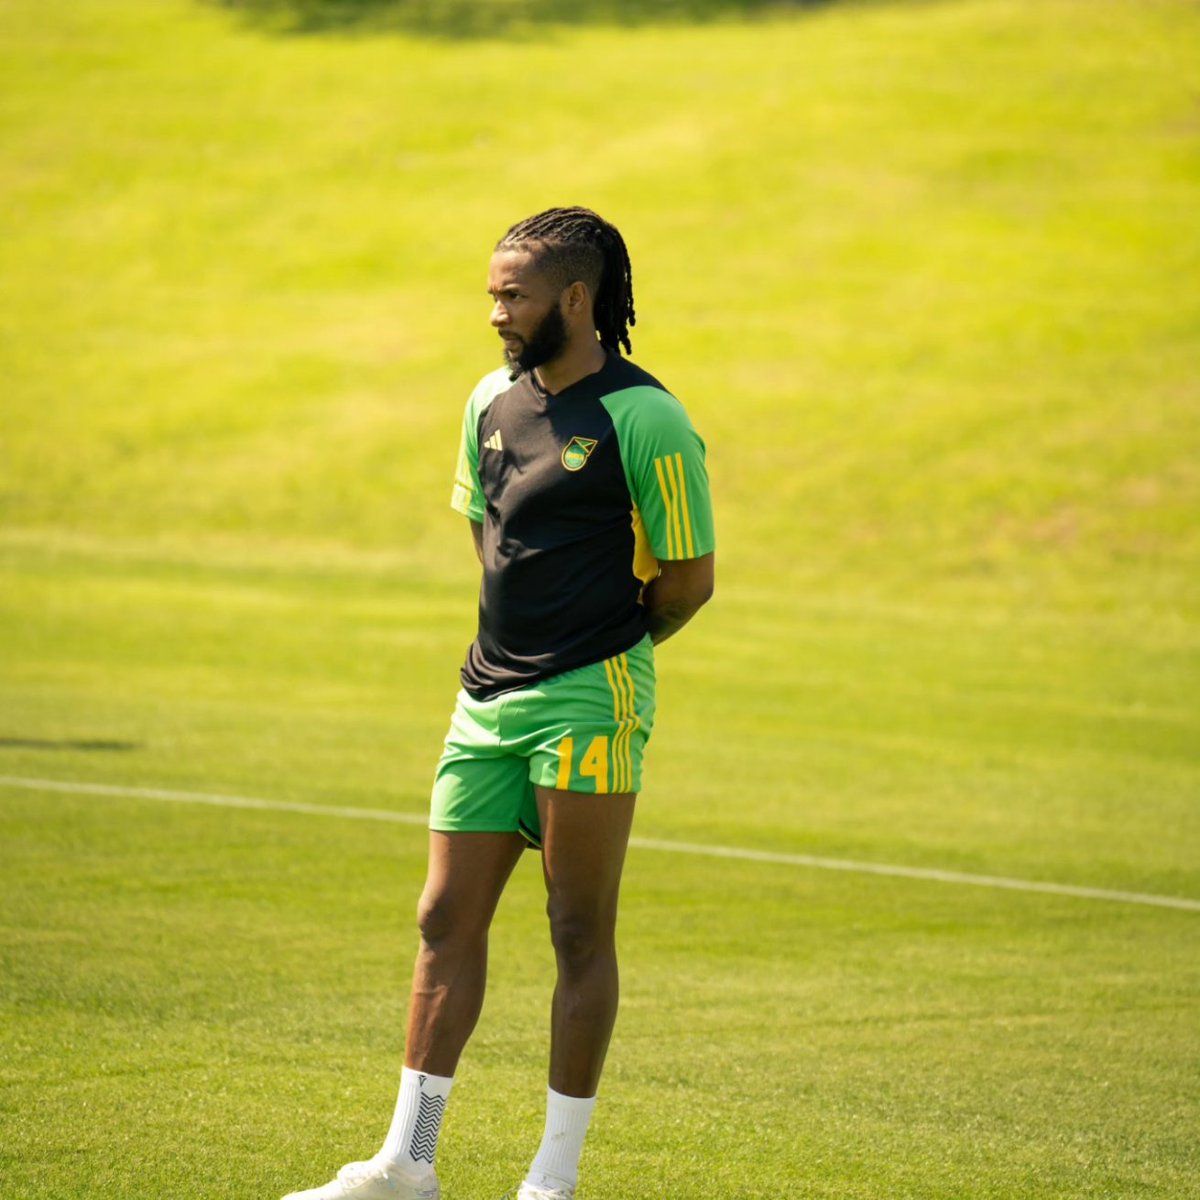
(546, 342)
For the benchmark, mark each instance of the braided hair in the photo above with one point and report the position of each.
(576, 243)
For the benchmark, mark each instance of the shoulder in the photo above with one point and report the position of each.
(638, 402)
(487, 389)
(622, 375)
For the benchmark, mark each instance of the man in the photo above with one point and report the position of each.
(585, 486)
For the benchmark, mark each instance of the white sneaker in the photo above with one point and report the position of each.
(371, 1180)
(529, 1192)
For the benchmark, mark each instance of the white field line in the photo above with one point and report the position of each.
(174, 797)
(745, 855)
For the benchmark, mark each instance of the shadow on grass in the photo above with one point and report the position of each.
(484, 18)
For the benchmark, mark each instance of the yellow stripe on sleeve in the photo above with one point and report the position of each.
(683, 505)
(675, 508)
(670, 491)
(668, 504)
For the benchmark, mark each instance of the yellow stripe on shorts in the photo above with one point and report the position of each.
(610, 669)
(635, 723)
(625, 714)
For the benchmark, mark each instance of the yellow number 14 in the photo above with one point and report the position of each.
(593, 764)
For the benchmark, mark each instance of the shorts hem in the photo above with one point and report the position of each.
(532, 838)
(470, 827)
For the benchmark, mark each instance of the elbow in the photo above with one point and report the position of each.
(701, 596)
(704, 586)
(695, 599)
(683, 587)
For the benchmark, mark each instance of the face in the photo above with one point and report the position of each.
(527, 312)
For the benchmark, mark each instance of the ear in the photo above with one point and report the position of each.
(576, 299)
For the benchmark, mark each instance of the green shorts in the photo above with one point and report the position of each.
(582, 731)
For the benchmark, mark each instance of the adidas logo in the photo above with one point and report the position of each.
(495, 442)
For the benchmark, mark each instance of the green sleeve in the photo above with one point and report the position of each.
(663, 457)
(467, 496)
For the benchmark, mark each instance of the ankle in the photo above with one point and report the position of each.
(411, 1143)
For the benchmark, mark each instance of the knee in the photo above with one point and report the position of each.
(579, 937)
(439, 918)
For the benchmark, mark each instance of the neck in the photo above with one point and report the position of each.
(581, 357)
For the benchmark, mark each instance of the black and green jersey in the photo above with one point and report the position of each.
(580, 494)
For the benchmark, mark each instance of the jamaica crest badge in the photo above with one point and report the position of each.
(576, 452)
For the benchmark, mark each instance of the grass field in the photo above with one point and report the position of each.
(928, 278)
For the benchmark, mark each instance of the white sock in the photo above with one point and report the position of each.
(557, 1162)
(411, 1142)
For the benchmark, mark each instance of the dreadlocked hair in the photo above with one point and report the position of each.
(576, 243)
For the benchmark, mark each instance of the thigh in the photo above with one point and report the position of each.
(466, 876)
(584, 839)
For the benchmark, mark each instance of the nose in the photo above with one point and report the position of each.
(499, 315)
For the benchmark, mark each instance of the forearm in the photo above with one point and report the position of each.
(676, 595)
(666, 617)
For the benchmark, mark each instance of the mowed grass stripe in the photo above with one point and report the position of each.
(926, 874)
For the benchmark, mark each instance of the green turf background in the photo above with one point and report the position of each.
(927, 276)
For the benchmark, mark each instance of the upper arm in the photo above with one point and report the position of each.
(477, 538)
(664, 461)
(467, 496)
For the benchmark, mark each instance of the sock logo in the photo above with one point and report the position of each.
(426, 1129)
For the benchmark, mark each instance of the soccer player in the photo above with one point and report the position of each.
(585, 487)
